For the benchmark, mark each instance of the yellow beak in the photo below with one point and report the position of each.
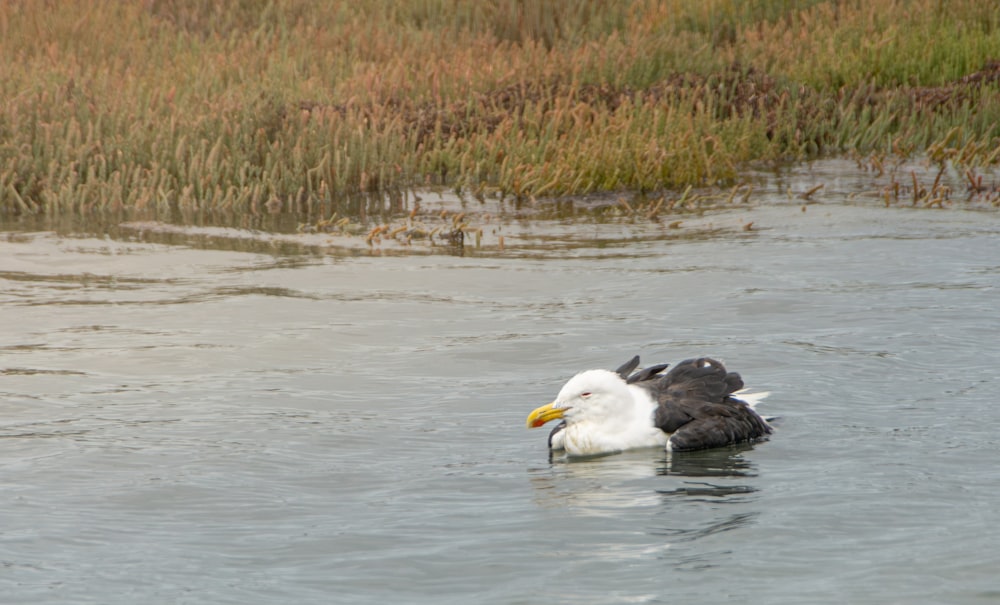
(543, 414)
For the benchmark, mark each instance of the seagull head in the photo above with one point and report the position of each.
(594, 396)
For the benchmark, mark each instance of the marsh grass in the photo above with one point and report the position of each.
(178, 108)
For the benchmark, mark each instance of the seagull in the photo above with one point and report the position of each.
(693, 406)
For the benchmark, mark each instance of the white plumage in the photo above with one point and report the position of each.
(604, 414)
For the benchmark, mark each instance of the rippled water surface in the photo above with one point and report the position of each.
(191, 425)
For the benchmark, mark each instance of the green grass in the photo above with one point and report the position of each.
(195, 106)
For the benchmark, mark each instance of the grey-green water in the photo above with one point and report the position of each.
(184, 425)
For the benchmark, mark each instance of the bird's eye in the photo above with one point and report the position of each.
(585, 395)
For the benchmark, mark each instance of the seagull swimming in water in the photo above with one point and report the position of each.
(691, 407)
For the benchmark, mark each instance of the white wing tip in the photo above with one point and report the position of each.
(752, 399)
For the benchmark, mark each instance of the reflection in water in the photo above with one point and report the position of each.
(717, 463)
(713, 526)
(693, 489)
(596, 485)
(683, 508)
(720, 462)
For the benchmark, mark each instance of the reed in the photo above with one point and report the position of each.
(181, 107)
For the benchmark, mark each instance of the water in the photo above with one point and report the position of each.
(192, 425)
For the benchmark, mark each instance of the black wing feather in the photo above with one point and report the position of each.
(627, 367)
(625, 371)
(697, 408)
(647, 373)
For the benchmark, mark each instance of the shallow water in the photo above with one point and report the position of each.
(192, 425)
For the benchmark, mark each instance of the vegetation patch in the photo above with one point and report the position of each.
(178, 109)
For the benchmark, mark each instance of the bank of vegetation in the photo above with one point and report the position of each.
(257, 106)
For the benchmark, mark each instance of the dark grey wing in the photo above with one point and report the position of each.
(697, 408)
(720, 428)
(647, 373)
(627, 367)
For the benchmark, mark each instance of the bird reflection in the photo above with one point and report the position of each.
(707, 490)
(716, 464)
(720, 462)
(597, 485)
(714, 526)
(634, 479)
(688, 509)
